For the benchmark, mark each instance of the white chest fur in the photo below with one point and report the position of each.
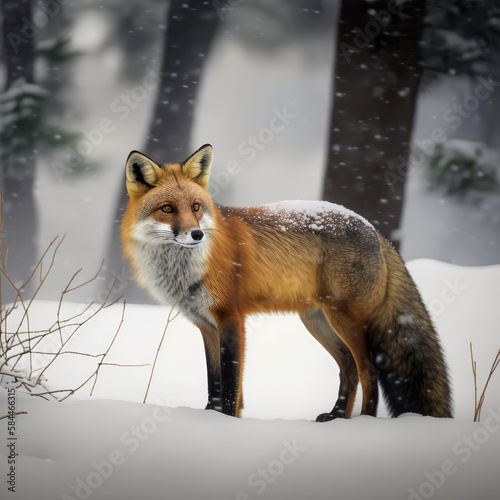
(171, 272)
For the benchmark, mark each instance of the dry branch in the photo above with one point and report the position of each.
(13, 414)
(19, 344)
(478, 404)
(169, 319)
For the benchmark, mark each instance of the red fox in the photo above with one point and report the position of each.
(328, 264)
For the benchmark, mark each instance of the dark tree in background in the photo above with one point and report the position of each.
(17, 41)
(376, 79)
(19, 107)
(27, 130)
(191, 29)
(462, 40)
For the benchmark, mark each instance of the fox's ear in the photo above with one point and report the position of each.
(142, 173)
(197, 166)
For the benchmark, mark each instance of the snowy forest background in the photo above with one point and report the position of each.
(388, 108)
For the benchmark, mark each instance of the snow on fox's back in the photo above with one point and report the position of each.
(307, 215)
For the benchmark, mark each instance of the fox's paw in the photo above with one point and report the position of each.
(326, 417)
(214, 404)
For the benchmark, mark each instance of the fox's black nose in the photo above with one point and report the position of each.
(197, 234)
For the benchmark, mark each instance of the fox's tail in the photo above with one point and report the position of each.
(404, 347)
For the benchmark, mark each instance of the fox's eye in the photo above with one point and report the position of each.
(196, 207)
(168, 209)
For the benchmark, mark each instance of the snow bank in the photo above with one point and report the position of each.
(105, 449)
(171, 449)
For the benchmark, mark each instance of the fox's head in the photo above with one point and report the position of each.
(170, 203)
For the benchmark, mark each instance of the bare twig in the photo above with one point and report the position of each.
(1, 227)
(478, 405)
(12, 414)
(169, 319)
(474, 373)
(63, 345)
(21, 343)
(109, 348)
(18, 297)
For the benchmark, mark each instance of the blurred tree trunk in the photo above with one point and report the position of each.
(189, 36)
(18, 44)
(191, 29)
(18, 162)
(376, 80)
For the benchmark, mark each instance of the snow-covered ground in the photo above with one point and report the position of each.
(112, 446)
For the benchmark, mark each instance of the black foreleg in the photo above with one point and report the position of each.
(231, 357)
(212, 355)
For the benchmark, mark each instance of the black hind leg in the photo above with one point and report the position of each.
(319, 327)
